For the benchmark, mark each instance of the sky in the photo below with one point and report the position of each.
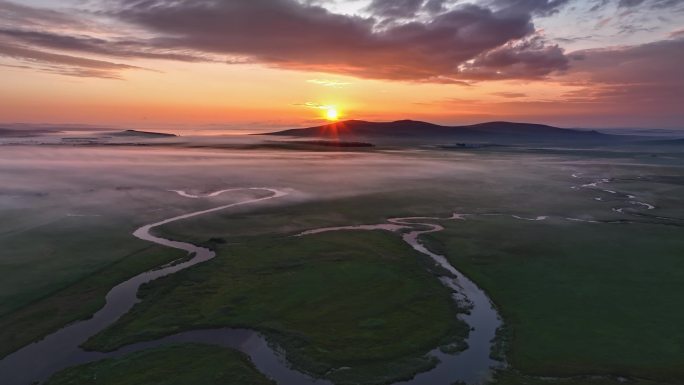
(229, 66)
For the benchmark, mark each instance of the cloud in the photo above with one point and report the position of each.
(64, 64)
(643, 78)
(603, 22)
(99, 46)
(291, 35)
(658, 4)
(658, 62)
(574, 39)
(435, 6)
(294, 35)
(510, 95)
(630, 3)
(538, 7)
(328, 83)
(25, 32)
(634, 6)
(677, 34)
(523, 59)
(32, 17)
(317, 106)
(639, 84)
(403, 9)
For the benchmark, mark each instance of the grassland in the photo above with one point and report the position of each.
(172, 365)
(515, 378)
(353, 299)
(65, 232)
(77, 301)
(579, 299)
(65, 243)
(48, 257)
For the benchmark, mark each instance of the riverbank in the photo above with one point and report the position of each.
(37, 361)
(353, 301)
(76, 302)
(582, 303)
(209, 365)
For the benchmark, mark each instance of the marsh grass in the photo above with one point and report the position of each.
(76, 302)
(180, 364)
(579, 299)
(360, 300)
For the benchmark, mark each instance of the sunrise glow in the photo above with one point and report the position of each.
(332, 114)
(63, 62)
(353, 183)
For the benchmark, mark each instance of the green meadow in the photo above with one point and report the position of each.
(173, 365)
(582, 302)
(351, 299)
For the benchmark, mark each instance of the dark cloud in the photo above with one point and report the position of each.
(292, 35)
(91, 45)
(527, 59)
(435, 6)
(296, 35)
(403, 9)
(538, 7)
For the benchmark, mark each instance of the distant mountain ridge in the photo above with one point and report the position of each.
(19, 133)
(144, 134)
(419, 129)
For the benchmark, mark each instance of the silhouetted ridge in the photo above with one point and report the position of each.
(418, 129)
(146, 134)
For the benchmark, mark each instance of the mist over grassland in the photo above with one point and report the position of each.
(67, 214)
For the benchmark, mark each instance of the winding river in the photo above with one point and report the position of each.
(473, 365)
(36, 362)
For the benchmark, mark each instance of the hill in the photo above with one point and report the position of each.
(22, 133)
(411, 129)
(666, 142)
(143, 134)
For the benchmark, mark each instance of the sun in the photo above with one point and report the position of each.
(332, 114)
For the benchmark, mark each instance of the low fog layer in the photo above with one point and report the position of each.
(69, 210)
